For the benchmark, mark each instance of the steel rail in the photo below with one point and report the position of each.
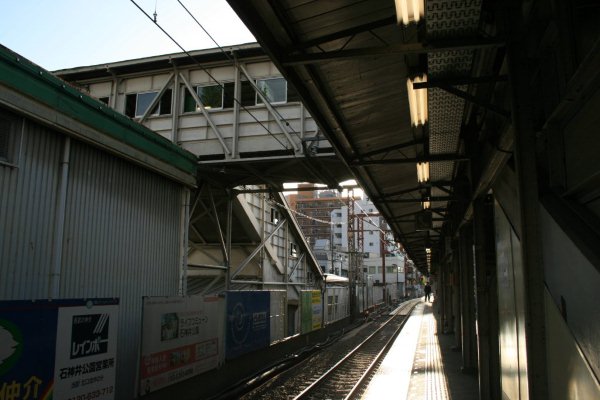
(375, 362)
(307, 391)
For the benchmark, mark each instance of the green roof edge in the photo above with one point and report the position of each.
(26, 77)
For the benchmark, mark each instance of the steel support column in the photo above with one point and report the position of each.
(527, 183)
(486, 301)
(228, 239)
(222, 236)
(455, 296)
(467, 296)
(440, 295)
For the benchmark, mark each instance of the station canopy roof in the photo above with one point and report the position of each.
(393, 92)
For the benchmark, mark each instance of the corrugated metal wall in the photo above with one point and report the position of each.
(121, 236)
(121, 240)
(27, 205)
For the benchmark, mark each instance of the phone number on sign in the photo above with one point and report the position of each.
(94, 394)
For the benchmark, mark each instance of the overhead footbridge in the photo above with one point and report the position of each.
(229, 106)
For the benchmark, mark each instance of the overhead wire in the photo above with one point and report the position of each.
(234, 61)
(154, 20)
(208, 73)
(332, 223)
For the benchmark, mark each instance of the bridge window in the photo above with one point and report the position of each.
(136, 104)
(248, 95)
(275, 90)
(211, 96)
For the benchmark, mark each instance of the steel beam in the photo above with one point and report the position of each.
(436, 210)
(467, 80)
(258, 248)
(156, 99)
(411, 160)
(272, 111)
(425, 185)
(392, 148)
(296, 265)
(470, 98)
(394, 50)
(220, 230)
(391, 20)
(420, 199)
(412, 221)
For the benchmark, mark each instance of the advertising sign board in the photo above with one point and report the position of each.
(59, 349)
(248, 326)
(180, 339)
(311, 310)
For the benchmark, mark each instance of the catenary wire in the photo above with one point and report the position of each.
(331, 223)
(371, 222)
(208, 73)
(233, 61)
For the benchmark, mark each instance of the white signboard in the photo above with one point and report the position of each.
(181, 338)
(86, 352)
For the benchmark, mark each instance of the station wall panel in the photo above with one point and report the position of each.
(572, 282)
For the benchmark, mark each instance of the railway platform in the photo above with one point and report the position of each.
(421, 364)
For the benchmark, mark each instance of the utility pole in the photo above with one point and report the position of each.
(382, 251)
(331, 247)
(353, 275)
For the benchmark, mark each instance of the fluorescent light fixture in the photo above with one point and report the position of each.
(428, 250)
(423, 172)
(408, 11)
(426, 204)
(417, 100)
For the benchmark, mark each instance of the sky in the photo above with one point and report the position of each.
(58, 34)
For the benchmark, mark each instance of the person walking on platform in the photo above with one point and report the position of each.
(427, 291)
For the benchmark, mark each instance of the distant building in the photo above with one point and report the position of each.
(365, 210)
(313, 212)
(324, 220)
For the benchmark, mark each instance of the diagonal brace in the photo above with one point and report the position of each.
(244, 263)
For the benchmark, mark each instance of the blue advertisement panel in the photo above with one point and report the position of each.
(52, 349)
(27, 339)
(248, 325)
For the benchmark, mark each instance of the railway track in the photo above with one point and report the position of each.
(339, 370)
(346, 377)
